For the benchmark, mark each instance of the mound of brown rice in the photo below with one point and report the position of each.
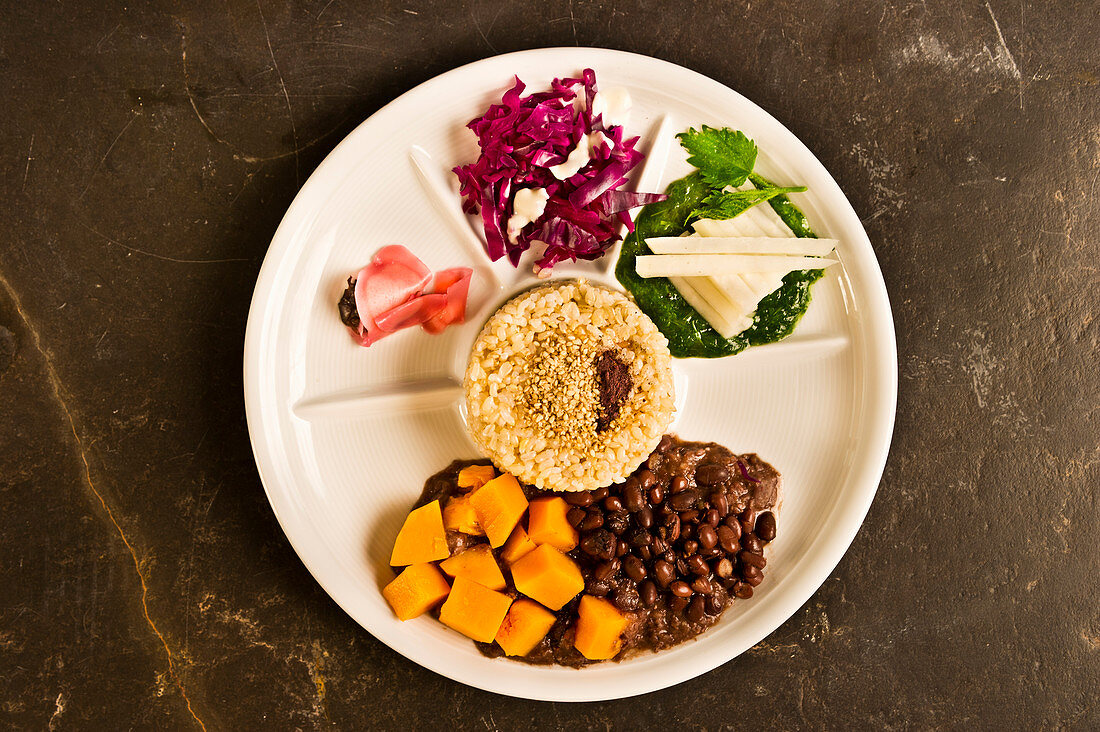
(533, 389)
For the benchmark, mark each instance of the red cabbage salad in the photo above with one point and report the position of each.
(551, 170)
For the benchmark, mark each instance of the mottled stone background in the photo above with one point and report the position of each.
(149, 151)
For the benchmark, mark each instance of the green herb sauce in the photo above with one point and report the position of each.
(689, 334)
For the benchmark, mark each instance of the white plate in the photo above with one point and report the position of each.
(344, 437)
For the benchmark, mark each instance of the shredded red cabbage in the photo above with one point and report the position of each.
(745, 472)
(521, 139)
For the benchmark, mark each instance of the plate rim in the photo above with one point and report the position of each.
(879, 392)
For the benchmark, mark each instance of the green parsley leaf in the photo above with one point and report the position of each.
(725, 157)
(730, 204)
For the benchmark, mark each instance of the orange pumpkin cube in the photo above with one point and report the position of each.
(474, 610)
(419, 588)
(599, 628)
(548, 576)
(476, 563)
(459, 515)
(547, 524)
(517, 545)
(422, 538)
(499, 504)
(475, 476)
(526, 623)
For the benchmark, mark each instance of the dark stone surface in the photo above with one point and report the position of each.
(149, 151)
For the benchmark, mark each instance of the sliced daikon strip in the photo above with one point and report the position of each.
(760, 220)
(712, 315)
(740, 245)
(733, 288)
(763, 284)
(743, 225)
(730, 309)
(711, 265)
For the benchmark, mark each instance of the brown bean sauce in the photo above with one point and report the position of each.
(672, 546)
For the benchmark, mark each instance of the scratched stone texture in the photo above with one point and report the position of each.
(149, 151)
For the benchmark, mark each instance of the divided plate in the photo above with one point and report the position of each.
(344, 437)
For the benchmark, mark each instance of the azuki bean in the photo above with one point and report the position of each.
(712, 552)
(715, 603)
(659, 545)
(721, 505)
(645, 553)
(634, 568)
(644, 517)
(748, 521)
(648, 592)
(663, 572)
(654, 461)
(621, 548)
(672, 524)
(765, 526)
(593, 520)
(751, 543)
(664, 444)
(656, 494)
(690, 547)
(682, 567)
(742, 590)
(697, 565)
(597, 588)
(687, 531)
(754, 559)
(613, 503)
(639, 537)
(632, 497)
(689, 517)
(752, 575)
(579, 498)
(626, 598)
(647, 478)
(680, 589)
(599, 543)
(708, 537)
(678, 603)
(711, 474)
(694, 612)
(724, 568)
(702, 586)
(575, 516)
(600, 493)
(682, 501)
(712, 517)
(604, 570)
(727, 539)
(617, 522)
(678, 484)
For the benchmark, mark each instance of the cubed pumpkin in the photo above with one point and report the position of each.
(499, 504)
(474, 610)
(473, 477)
(526, 623)
(599, 628)
(547, 524)
(422, 537)
(476, 563)
(418, 588)
(459, 515)
(518, 544)
(548, 576)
